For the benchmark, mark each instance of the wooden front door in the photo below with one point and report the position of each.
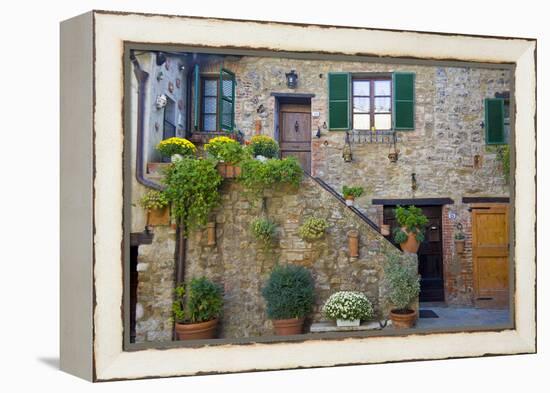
(295, 133)
(430, 253)
(490, 252)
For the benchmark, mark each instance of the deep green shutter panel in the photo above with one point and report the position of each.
(227, 100)
(196, 103)
(338, 97)
(494, 121)
(403, 100)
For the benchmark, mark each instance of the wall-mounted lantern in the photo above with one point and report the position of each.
(161, 58)
(346, 153)
(414, 184)
(292, 79)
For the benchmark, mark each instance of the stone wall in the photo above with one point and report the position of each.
(239, 264)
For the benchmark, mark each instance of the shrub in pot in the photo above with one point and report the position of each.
(459, 242)
(404, 287)
(263, 231)
(313, 228)
(196, 309)
(350, 193)
(156, 204)
(348, 308)
(228, 152)
(410, 232)
(176, 148)
(288, 293)
(264, 146)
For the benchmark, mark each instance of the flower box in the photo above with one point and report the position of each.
(228, 171)
(157, 217)
(347, 322)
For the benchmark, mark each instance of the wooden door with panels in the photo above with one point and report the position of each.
(490, 255)
(295, 133)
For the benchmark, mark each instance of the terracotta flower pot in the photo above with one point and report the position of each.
(459, 246)
(197, 331)
(353, 243)
(385, 229)
(228, 171)
(158, 217)
(349, 200)
(288, 327)
(403, 319)
(411, 245)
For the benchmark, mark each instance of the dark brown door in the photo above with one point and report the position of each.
(490, 252)
(295, 133)
(430, 253)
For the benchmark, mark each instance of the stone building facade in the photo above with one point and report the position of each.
(446, 151)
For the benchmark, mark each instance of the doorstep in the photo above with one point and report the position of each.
(328, 326)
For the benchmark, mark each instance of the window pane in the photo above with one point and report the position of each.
(361, 122)
(382, 122)
(382, 104)
(361, 88)
(210, 87)
(361, 104)
(210, 105)
(209, 123)
(382, 88)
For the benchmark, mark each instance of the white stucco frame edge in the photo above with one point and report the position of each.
(111, 30)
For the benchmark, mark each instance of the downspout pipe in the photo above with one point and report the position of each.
(142, 77)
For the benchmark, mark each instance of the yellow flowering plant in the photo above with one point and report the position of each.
(263, 145)
(223, 148)
(175, 145)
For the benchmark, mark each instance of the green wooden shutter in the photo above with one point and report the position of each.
(403, 100)
(196, 95)
(227, 100)
(338, 100)
(494, 121)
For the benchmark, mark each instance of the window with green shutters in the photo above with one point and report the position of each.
(338, 97)
(214, 101)
(494, 121)
(403, 100)
(227, 100)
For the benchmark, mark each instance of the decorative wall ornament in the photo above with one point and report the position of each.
(170, 87)
(178, 83)
(346, 153)
(160, 76)
(161, 101)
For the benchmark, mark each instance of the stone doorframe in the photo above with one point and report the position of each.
(287, 98)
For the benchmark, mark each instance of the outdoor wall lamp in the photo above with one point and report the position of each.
(318, 134)
(292, 79)
(414, 185)
(346, 153)
(161, 58)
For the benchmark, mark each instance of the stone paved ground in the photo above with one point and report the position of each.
(462, 316)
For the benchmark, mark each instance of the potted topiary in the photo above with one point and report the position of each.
(348, 308)
(156, 204)
(263, 146)
(410, 232)
(228, 152)
(404, 287)
(176, 148)
(350, 193)
(313, 228)
(289, 297)
(459, 242)
(196, 309)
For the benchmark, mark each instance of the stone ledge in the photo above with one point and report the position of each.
(328, 326)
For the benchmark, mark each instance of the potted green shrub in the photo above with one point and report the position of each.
(263, 146)
(264, 231)
(176, 148)
(156, 204)
(288, 293)
(196, 309)
(404, 287)
(410, 232)
(313, 228)
(459, 242)
(228, 152)
(350, 193)
(348, 308)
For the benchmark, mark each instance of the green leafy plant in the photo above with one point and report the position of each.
(225, 149)
(459, 236)
(192, 189)
(503, 154)
(198, 301)
(313, 228)
(404, 283)
(348, 305)
(153, 200)
(289, 292)
(263, 230)
(412, 219)
(262, 145)
(175, 145)
(257, 175)
(354, 192)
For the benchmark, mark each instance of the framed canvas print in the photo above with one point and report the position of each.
(250, 195)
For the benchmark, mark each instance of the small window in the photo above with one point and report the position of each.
(209, 104)
(372, 103)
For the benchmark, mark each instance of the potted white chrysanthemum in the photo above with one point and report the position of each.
(348, 308)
